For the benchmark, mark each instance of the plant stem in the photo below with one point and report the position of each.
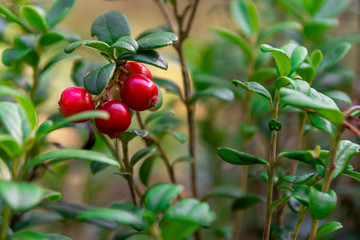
(5, 221)
(36, 80)
(328, 175)
(271, 169)
(301, 216)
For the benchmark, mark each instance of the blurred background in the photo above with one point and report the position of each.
(209, 58)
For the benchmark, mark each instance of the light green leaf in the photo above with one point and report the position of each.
(345, 152)
(99, 45)
(12, 17)
(321, 203)
(298, 56)
(334, 55)
(106, 214)
(245, 16)
(34, 15)
(327, 228)
(140, 154)
(239, 158)
(278, 28)
(10, 146)
(283, 62)
(5, 173)
(254, 87)
(59, 11)
(339, 96)
(221, 93)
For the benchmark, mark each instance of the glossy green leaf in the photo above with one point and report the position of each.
(279, 27)
(81, 68)
(345, 152)
(9, 56)
(158, 197)
(221, 93)
(96, 81)
(322, 124)
(224, 191)
(110, 26)
(99, 45)
(306, 72)
(254, 87)
(353, 174)
(14, 120)
(51, 38)
(312, 157)
(59, 10)
(77, 117)
(339, 96)
(239, 158)
(184, 218)
(68, 154)
(277, 202)
(5, 173)
(283, 82)
(10, 146)
(159, 114)
(140, 154)
(234, 38)
(303, 178)
(283, 62)
(334, 55)
(128, 135)
(145, 169)
(126, 43)
(21, 196)
(302, 194)
(146, 56)
(156, 40)
(34, 15)
(316, 58)
(10, 16)
(106, 214)
(298, 56)
(246, 201)
(244, 14)
(321, 203)
(169, 85)
(327, 228)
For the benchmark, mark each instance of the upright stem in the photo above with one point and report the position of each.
(5, 221)
(328, 175)
(301, 216)
(271, 170)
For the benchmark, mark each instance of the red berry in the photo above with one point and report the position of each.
(119, 120)
(139, 93)
(134, 68)
(74, 100)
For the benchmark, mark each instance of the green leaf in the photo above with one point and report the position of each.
(307, 72)
(21, 196)
(248, 131)
(316, 58)
(77, 117)
(221, 93)
(283, 62)
(140, 154)
(184, 158)
(298, 56)
(339, 96)
(67, 154)
(321, 203)
(96, 81)
(51, 38)
(12, 17)
(181, 137)
(99, 45)
(57, 58)
(353, 174)
(169, 85)
(312, 157)
(146, 56)
(158, 197)
(106, 214)
(332, 8)
(345, 152)
(128, 135)
(239, 158)
(14, 120)
(279, 27)
(24, 41)
(334, 55)
(145, 170)
(28, 236)
(277, 202)
(303, 178)
(156, 40)
(322, 104)
(9, 56)
(125, 43)
(301, 194)
(54, 236)
(254, 87)
(10, 146)
(110, 26)
(316, 28)
(34, 15)
(184, 218)
(246, 201)
(5, 173)
(244, 14)
(126, 234)
(322, 124)
(159, 114)
(283, 81)
(59, 10)
(234, 38)
(262, 75)
(327, 228)
(224, 191)
(291, 7)
(80, 69)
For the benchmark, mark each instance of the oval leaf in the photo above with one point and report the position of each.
(59, 10)
(96, 81)
(34, 15)
(156, 40)
(239, 158)
(146, 56)
(126, 43)
(99, 45)
(321, 203)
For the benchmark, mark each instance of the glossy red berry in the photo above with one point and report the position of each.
(119, 120)
(139, 93)
(74, 100)
(134, 68)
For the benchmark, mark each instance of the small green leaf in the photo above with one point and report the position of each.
(321, 203)
(181, 137)
(345, 152)
(21, 196)
(158, 114)
(327, 228)
(126, 234)
(234, 38)
(169, 85)
(307, 72)
(184, 158)
(244, 14)
(283, 81)
(316, 58)
(9, 145)
(254, 87)
(146, 56)
(353, 174)
(332, 8)
(156, 40)
(221, 93)
(322, 123)
(54, 236)
(50, 38)
(12, 17)
(283, 62)
(224, 191)
(159, 196)
(140, 154)
(334, 55)
(239, 158)
(339, 96)
(298, 56)
(80, 69)
(301, 194)
(262, 75)
(303, 178)
(5, 173)
(128, 135)
(28, 236)
(99, 45)
(248, 131)
(59, 10)
(278, 28)
(96, 81)
(110, 26)
(34, 15)
(145, 170)
(126, 43)
(68, 154)
(312, 157)
(9, 56)
(315, 29)
(106, 214)
(246, 201)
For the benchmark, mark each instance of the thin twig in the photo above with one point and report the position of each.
(166, 14)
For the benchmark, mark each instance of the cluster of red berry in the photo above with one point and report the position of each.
(133, 89)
